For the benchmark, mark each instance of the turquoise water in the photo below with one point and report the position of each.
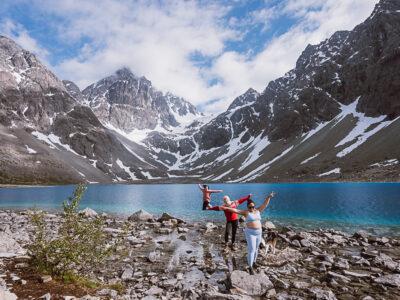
(311, 204)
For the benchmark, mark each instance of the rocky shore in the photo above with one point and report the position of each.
(167, 258)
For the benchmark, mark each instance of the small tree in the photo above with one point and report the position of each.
(81, 243)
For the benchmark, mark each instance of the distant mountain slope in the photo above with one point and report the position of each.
(351, 80)
(48, 137)
(127, 102)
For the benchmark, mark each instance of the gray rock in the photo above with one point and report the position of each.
(9, 247)
(154, 256)
(154, 290)
(253, 285)
(88, 212)
(390, 280)
(127, 273)
(323, 294)
(141, 216)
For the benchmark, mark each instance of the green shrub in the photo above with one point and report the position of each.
(80, 245)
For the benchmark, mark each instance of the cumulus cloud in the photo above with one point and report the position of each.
(19, 34)
(185, 46)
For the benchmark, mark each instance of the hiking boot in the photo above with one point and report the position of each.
(251, 271)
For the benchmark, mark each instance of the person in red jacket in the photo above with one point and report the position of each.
(207, 195)
(232, 219)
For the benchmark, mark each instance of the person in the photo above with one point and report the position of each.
(232, 219)
(207, 195)
(253, 229)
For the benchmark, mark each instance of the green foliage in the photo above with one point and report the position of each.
(80, 245)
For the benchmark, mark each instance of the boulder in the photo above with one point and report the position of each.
(168, 217)
(269, 225)
(322, 294)
(390, 280)
(127, 273)
(141, 216)
(252, 285)
(88, 212)
(283, 257)
(361, 234)
(9, 247)
(154, 256)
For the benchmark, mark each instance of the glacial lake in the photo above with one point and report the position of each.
(345, 206)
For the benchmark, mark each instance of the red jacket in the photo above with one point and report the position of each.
(230, 216)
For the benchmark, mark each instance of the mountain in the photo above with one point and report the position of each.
(47, 136)
(334, 116)
(127, 102)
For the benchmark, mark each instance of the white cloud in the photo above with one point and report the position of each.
(158, 40)
(20, 35)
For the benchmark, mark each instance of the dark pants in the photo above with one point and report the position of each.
(234, 225)
(205, 204)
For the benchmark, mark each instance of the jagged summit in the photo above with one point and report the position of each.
(127, 103)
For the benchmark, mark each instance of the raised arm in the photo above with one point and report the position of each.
(215, 191)
(214, 208)
(234, 210)
(241, 200)
(200, 187)
(266, 202)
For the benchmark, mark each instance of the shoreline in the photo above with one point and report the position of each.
(194, 182)
(296, 223)
(178, 260)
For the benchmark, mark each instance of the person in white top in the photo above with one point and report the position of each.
(253, 229)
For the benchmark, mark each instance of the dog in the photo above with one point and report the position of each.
(270, 241)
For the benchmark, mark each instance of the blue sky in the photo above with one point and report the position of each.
(205, 51)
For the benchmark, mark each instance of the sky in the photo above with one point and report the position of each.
(208, 52)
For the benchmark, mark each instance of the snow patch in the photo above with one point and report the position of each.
(30, 150)
(310, 158)
(386, 163)
(222, 175)
(358, 135)
(126, 169)
(334, 171)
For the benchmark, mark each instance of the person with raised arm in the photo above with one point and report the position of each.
(253, 229)
(232, 219)
(207, 195)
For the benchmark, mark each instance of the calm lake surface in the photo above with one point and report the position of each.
(346, 206)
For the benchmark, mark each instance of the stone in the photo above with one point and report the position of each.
(342, 264)
(253, 285)
(7, 295)
(323, 294)
(296, 243)
(167, 217)
(45, 278)
(210, 226)
(154, 290)
(164, 230)
(389, 280)
(46, 296)
(108, 292)
(305, 243)
(301, 285)
(9, 247)
(127, 273)
(361, 234)
(141, 216)
(154, 256)
(356, 274)
(337, 276)
(88, 212)
(269, 225)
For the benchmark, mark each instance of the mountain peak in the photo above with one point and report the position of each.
(248, 97)
(386, 6)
